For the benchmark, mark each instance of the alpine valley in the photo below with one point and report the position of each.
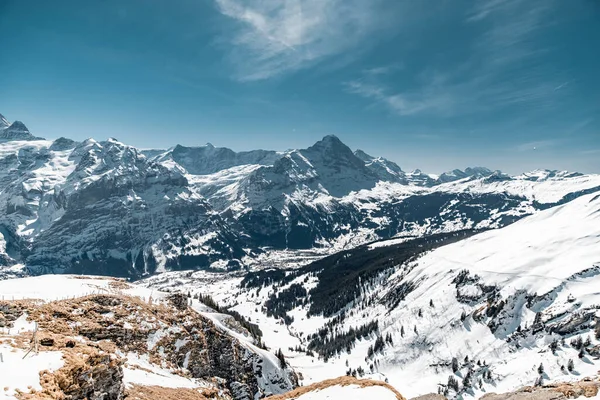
(296, 273)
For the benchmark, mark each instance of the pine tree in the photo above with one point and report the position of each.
(453, 383)
(570, 365)
(541, 369)
(554, 346)
(402, 331)
(431, 303)
(416, 331)
(467, 379)
(420, 313)
(581, 353)
(455, 364)
(281, 358)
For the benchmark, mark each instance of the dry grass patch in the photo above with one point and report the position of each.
(138, 392)
(341, 381)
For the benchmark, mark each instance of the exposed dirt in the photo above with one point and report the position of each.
(138, 392)
(341, 381)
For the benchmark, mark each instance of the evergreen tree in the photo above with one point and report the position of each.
(453, 383)
(431, 303)
(281, 358)
(541, 369)
(570, 365)
(577, 343)
(402, 331)
(467, 379)
(455, 366)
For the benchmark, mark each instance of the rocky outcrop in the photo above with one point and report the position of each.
(341, 381)
(171, 334)
(92, 377)
(556, 391)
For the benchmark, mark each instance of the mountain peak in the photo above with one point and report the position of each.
(363, 156)
(330, 143)
(16, 131)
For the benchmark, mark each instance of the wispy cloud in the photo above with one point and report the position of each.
(383, 70)
(400, 103)
(273, 37)
(502, 69)
(590, 152)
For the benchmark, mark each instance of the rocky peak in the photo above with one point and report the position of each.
(16, 131)
(62, 144)
(470, 172)
(330, 144)
(478, 171)
(363, 156)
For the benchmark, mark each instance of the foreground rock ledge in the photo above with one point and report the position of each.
(341, 381)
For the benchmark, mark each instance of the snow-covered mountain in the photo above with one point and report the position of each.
(109, 208)
(206, 160)
(462, 313)
(15, 131)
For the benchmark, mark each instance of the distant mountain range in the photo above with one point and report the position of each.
(109, 208)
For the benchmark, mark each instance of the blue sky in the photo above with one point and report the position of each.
(430, 84)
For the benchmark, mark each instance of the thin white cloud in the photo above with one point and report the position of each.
(383, 70)
(273, 37)
(399, 103)
(503, 68)
(590, 152)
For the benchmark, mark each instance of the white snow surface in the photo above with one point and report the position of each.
(59, 287)
(21, 373)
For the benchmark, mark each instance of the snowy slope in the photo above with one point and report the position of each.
(496, 302)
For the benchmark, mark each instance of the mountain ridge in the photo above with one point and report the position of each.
(110, 208)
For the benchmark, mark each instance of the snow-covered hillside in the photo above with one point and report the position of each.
(496, 311)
